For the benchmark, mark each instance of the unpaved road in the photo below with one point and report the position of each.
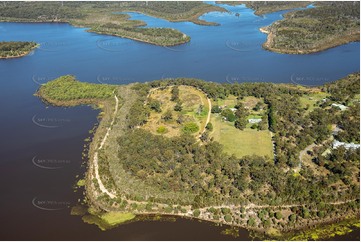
(95, 160)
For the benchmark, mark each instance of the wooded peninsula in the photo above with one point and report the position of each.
(327, 25)
(176, 147)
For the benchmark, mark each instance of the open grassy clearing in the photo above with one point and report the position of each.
(241, 142)
(250, 102)
(311, 99)
(194, 110)
(229, 102)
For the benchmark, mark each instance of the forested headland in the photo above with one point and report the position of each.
(327, 25)
(307, 182)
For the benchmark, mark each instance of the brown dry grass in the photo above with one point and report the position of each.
(190, 97)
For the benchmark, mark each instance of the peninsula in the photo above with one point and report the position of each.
(15, 49)
(327, 25)
(180, 147)
(324, 25)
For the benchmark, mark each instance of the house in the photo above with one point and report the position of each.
(340, 106)
(337, 144)
(254, 120)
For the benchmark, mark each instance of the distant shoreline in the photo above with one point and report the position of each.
(75, 23)
(335, 43)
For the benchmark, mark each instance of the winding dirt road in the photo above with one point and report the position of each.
(95, 160)
(209, 114)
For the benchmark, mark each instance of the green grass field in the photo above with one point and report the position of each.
(311, 99)
(241, 143)
(114, 218)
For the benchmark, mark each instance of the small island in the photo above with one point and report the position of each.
(261, 156)
(15, 49)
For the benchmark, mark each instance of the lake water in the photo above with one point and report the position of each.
(41, 146)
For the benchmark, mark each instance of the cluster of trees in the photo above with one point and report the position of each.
(35, 11)
(155, 105)
(216, 90)
(179, 164)
(341, 162)
(15, 48)
(344, 91)
(228, 177)
(239, 117)
(317, 28)
(349, 122)
(138, 114)
(175, 98)
(347, 92)
(173, 164)
(67, 88)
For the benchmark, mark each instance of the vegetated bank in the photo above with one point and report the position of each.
(149, 173)
(103, 17)
(328, 25)
(175, 11)
(264, 7)
(15, 49)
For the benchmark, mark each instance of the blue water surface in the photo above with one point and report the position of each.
(231, 52)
